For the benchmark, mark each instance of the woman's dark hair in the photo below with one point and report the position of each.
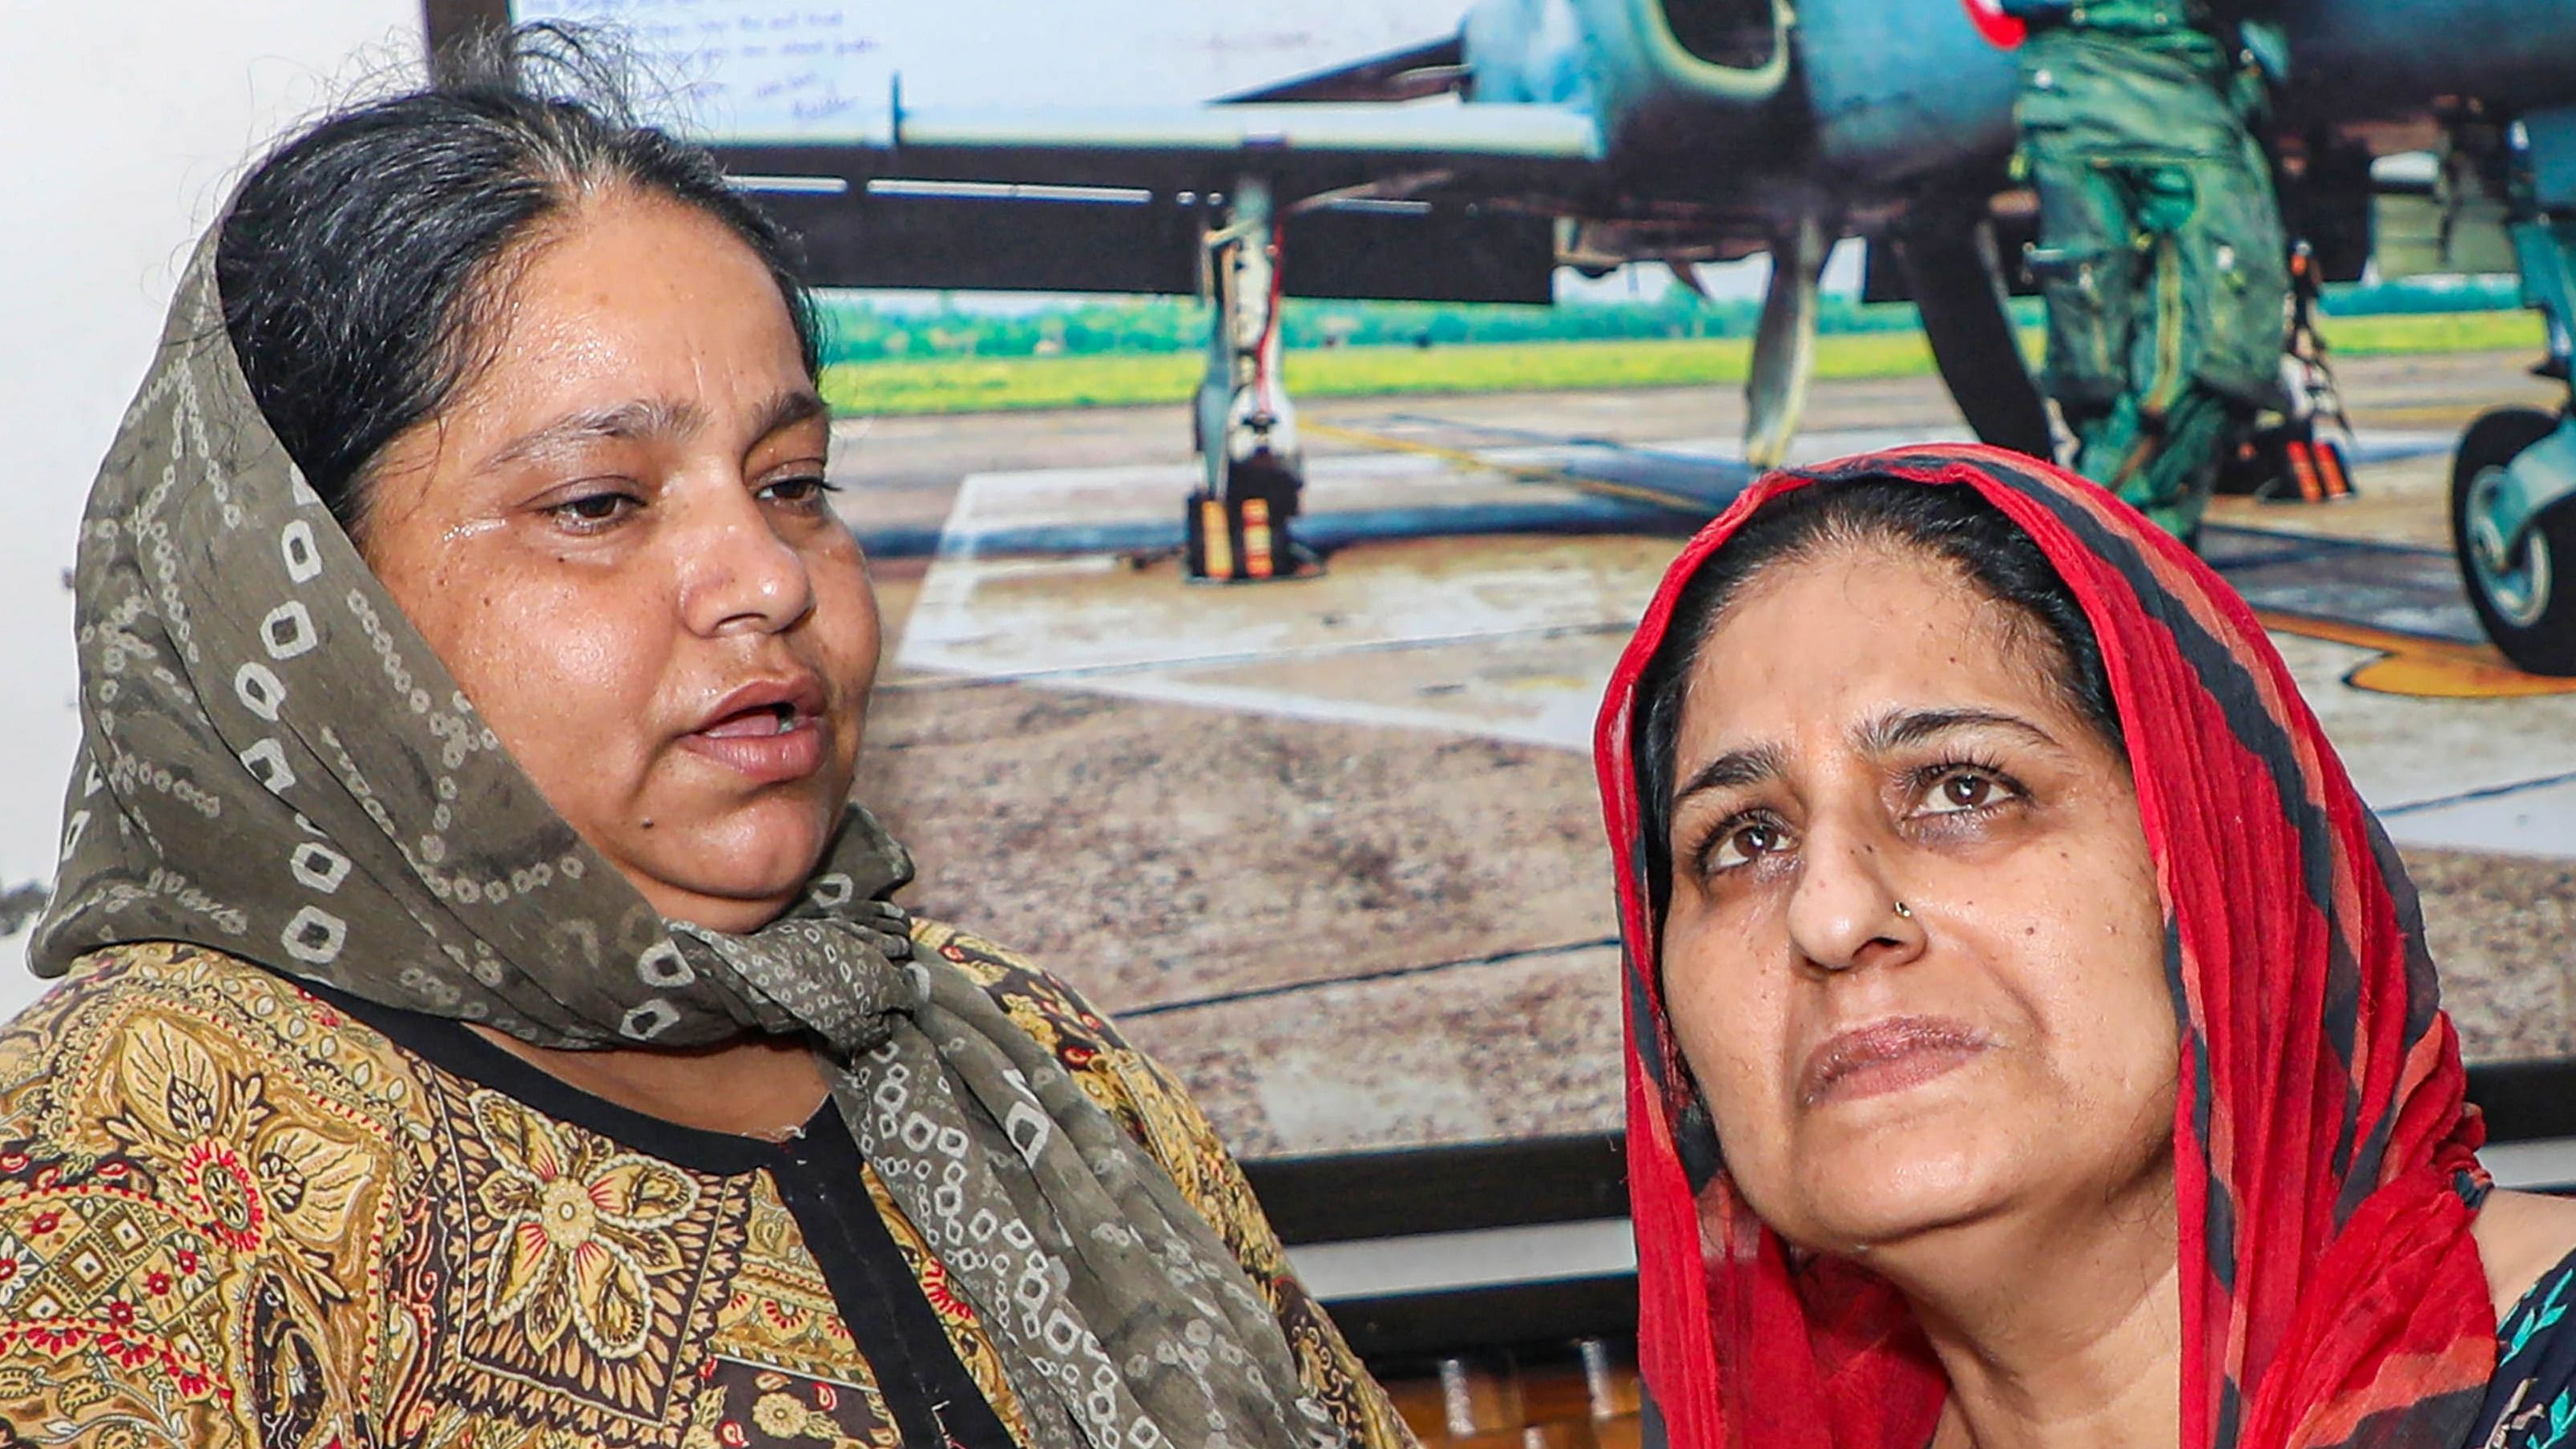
(1952, 523)
(365, 261)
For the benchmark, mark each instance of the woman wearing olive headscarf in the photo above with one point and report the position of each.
(2032, 1040)
(485, 1019)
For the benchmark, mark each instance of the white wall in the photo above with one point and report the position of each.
(122, 125)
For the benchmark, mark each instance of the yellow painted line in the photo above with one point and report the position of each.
(2456, 415)
(2418, 667)
(1521, 472)
(2452, 416)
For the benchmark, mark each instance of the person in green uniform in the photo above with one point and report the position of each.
(2161, 252)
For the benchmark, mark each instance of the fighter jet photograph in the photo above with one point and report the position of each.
(1595, 134)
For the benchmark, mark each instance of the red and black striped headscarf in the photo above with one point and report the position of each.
(2331, 1294)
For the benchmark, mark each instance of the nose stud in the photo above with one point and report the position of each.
(1904, 910)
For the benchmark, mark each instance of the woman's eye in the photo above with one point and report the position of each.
(594, 510)
(803, 490)
(1744, 843)
(1960, 790)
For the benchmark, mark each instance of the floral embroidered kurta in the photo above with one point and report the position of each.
(236, 1212)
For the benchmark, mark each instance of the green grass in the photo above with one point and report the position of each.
(2425, 332)
(992, 384)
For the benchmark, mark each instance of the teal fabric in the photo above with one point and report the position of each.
(2531, 1402)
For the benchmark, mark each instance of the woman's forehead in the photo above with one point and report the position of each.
(639, 307)
(1852, 635)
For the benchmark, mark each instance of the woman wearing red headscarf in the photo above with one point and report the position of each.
(2032, 1040)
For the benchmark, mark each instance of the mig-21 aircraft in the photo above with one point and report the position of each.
(1598, 133)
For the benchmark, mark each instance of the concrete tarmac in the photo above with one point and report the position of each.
(1330, 848)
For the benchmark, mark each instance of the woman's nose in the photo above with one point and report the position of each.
(737, 574)
(1844, 910)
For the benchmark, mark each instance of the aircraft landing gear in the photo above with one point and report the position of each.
(1955, 271)
(1784, 341)
(1246, 429)
(2523, 585)
(2513, 483)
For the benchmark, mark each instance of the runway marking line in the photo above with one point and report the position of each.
(2484, 792)
(1523, 472)
(2419, 666)
(2409, 665)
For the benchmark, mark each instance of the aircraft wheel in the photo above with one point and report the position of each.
(2527, 600)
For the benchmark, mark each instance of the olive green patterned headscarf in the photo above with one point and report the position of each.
(275, 765)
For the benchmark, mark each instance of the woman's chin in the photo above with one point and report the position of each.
(726, 915)
(723, 883)
(1884, 1196)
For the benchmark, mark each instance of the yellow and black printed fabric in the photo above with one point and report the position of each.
(234, 1212)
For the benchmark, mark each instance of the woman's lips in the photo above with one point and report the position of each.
(769, 744)
(767, 729)
(1887, 1056)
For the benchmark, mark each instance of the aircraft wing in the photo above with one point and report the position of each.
(1435, 68)
(1394, 201)
(1307, 145)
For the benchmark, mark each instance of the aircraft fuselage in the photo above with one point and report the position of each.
(1728, 104)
